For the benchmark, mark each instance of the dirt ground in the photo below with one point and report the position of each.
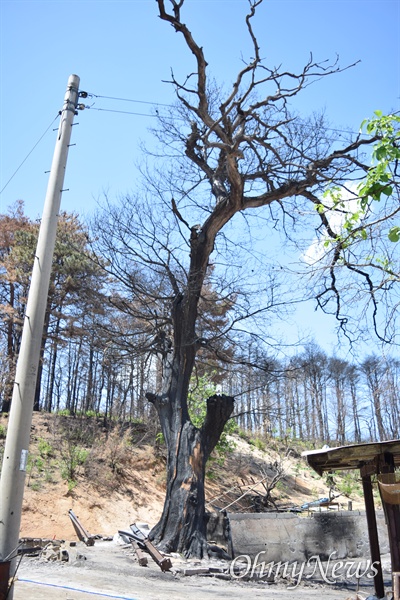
(105, 500)
(108, 570)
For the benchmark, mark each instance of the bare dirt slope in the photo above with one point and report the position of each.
(119, 478)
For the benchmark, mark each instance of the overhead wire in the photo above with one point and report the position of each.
(124, 112)
(92, 95)
(134, 113)
(29, 153)
(129, 100)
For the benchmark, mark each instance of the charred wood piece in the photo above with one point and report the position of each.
(140, 555)
(80, 531)
(145, 544)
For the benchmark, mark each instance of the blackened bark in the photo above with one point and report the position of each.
(182, 527)
(219, 409)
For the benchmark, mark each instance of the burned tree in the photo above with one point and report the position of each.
(228, 154)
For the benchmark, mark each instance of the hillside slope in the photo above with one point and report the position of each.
(111, 478)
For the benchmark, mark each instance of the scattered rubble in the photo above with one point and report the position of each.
(141, 539)
(53, 551)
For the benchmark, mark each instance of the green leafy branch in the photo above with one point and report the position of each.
(379, 181)
(380, 178)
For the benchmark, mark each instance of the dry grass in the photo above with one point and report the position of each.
(122, 477)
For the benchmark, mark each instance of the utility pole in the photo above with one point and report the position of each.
(20, 419)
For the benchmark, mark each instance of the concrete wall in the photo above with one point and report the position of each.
(290, 537)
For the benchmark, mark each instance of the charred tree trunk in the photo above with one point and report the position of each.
(182, 527)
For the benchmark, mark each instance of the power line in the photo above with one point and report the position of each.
(170, 106)
(124, 112)
(138, 114)
(28, 155)
(129, 100)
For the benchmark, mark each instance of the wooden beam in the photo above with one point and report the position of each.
(141, 556)
(396, 586)
(373, 534)
(392, 513)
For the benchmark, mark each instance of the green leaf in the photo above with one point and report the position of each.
(380, 153)
(394, 234)
(388, 190)
(378, 113)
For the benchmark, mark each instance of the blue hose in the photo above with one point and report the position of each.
(73, 589)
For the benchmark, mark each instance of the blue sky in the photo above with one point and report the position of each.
(122, 49)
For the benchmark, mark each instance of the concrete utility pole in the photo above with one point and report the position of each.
(17, 442)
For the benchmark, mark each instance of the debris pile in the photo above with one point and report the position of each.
(54, 551)
(141, 542)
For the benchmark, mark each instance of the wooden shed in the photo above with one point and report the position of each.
(376, 460)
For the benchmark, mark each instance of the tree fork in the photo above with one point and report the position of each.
(182, 527)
